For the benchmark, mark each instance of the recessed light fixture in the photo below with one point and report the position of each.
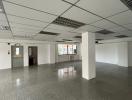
(67, 22)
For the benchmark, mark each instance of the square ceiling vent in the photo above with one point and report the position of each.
(105, 32)
(68, 22)
(78, 37)
(66, 40)
(128, 3)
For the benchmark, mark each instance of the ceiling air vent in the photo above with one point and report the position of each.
(105, 32)
(60, 41)
(48, 33)
(67, 22)
(128, 3)
(79, 37)
(66, 40)
(121, 36)
(99, 39)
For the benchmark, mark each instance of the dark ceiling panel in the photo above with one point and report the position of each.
(78, 37)
(66, 40)
(48, 33)
(99, 39)
(128, 3)
(121, 36)
(105, 32)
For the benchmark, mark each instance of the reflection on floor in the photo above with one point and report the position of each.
(63, 81)
(66, 73)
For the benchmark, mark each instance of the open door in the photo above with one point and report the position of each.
(17, 56)
(33, 55)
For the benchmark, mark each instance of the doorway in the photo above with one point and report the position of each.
(33, 55)
(17, 56)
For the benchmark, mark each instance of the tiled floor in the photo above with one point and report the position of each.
(63, 82)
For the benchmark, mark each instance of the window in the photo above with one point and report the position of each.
(17, 51)
(67, 49)
(62, 49)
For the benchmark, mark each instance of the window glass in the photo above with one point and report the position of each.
(62, 49)
(67, 49)
(17, 51)
(70, 49)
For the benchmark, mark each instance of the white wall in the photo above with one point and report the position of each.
(130, 54)
(45, 55)
(5, 58)
(106, 53)
(113, 53)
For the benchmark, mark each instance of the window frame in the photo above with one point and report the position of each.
(67, 49)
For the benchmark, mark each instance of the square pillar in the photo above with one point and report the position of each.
(88, 56)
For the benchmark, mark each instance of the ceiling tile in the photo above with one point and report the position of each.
(3, 20)
(105, 37)
(87, 28)
(80, 15)
(123, 18)
(129, 26)
(59, 27)
(103, 8)
(72, 1)
(5, 34)
(29, 13)
(13, 19)
(51, 6)
(104, 24)
(117, 29)
(44, 37)
(2, 17)
(126, 32)
(24, 26)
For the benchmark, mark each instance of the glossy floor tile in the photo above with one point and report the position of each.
(63, 82)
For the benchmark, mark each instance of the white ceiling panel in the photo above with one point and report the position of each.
(59, 27)
(24, 30)
(23, 33)
(44, 37)
(24, 26)
(3, 23)
(126, 32)
(123, 18)
(80, 15)
(72, 1)
(117, 29)
(13, 19)
(70, 35)
(51, 6)
(87, 28)
(3, 20)
(25, 12)
(103, 8)
(2, 17)
(5, 34)
(105, 37)
(104, 24)
(129, 26)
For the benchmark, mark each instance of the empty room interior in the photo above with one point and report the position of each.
(65, 49)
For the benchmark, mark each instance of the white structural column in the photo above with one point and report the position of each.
(88, 56)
